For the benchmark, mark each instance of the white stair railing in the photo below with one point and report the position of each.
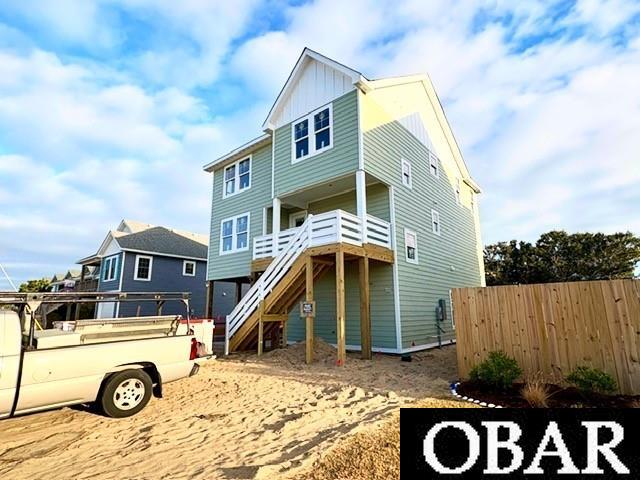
(269, 279)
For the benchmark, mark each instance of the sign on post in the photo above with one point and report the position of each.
(307, 309)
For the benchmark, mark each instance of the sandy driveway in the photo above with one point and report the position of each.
(238, 418)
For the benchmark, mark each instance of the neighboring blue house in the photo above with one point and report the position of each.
(138, 257)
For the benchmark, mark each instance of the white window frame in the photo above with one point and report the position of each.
(135, 268)
(312, 134)
(435, 220)
(458, 190)
(409, 232)
(184, 268)
(434, 165)
(295, 216)
(234, 234)
(236, 177)
(112, 260)
(406, 163)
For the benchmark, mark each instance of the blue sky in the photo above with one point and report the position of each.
(109, 108)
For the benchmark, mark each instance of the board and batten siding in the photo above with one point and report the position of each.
(446, 261)
(339, 160)
(252, 201)
(383, 332)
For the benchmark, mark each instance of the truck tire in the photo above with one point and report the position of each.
(125, 393)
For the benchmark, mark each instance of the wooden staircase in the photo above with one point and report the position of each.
(275, 308)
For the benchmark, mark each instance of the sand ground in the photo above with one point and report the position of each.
(240, 418)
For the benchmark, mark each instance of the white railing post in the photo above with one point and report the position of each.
(361, 201)
(226, 336)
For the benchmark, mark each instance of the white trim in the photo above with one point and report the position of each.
(250, 145)
(213, 195)
(234, 233)
(415, 261)
(397, 351)
(435, 219)
(295, 216)
(360, 135)
(265, 211)
(236, 178)
(427, 346)
(184, 268)
(273, 164)
(276, 215)
(434, 162)
(406, 163)
(453, 320)
(124, 257)
(311, 133)
(160, 254)
(137, 264)
(396, 283)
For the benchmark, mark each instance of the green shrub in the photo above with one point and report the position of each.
(590, 379)
(499, 371)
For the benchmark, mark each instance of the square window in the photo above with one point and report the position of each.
(234, 234)
(242, 241)
(243, 166)
(244, 181)
(189, 268)
(321, 119)
(143, 268)
(302, 130)
(227, 244)
(302, 148)
(323, 139)
(237, 177)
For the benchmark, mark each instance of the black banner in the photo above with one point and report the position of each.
(519, 443)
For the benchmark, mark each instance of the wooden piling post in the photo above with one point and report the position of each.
(309, 320)
(340, 309)
(365, 308)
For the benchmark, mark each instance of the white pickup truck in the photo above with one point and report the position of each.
(116, 364)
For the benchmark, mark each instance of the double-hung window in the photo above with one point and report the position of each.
(435, 222)
(143, 267)
(433, 165)
(237, 177)
(411, 246)
(234, 234)
(312, 134)
(406, 173)
(110, 268)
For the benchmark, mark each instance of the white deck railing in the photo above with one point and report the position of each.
(336, 226)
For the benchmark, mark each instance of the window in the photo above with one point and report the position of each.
(142, 270)
(411, 246)
(234, 234)
(458, 190)
(110, 266)
(297, 219)
(433, 165)
(312, 134)
(406, 173)
(189, 268)
(435, 222)
(237, 177)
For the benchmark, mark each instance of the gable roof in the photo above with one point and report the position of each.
(162, 241)
(356, 78)
(239, 152)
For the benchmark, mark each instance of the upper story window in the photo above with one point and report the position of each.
(189, 268)
(234, 234)
(237, 177)
(433, 165)
(458, 190)
(411, 246)
(312, 134)
(435, 222)
(110, 269)
(142, 269)
(406, 173)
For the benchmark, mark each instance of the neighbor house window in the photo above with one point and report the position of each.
(234, 234)
(406, 173)
(435, 222)
(142, 269)
(110, 267)
(189, 268)
(458, 190)
(433, 165)
(237, 177)
(411, 246)
(312, 134)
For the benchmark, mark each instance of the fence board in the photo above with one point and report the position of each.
(553, 328)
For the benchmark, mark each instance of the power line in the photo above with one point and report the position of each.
(8, 278)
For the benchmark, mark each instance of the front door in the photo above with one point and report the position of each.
(297, 219)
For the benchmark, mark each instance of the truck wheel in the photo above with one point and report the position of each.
(125, 393)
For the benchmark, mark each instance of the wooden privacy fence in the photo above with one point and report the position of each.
(553, 328)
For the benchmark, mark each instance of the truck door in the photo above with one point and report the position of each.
(10, 343)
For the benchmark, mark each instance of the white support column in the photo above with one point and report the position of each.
(361, 201)
(275, 227)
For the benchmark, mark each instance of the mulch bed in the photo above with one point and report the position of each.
(560, 397)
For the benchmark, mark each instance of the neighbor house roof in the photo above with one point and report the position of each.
(162, 241)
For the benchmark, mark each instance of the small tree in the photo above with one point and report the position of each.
(41, 285)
